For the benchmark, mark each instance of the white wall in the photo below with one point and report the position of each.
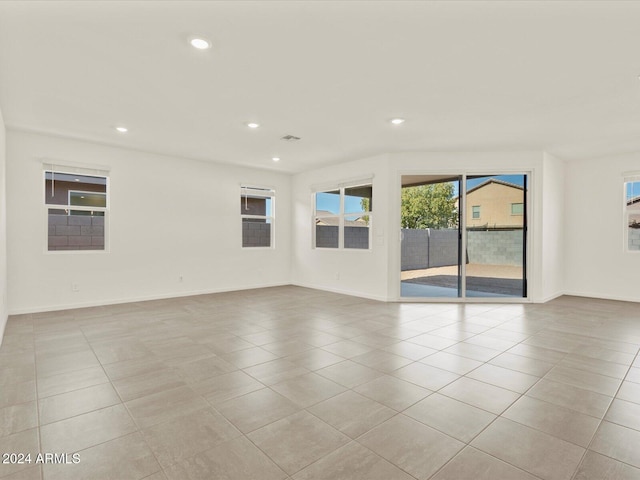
(3, 231)
(596, 264)
(354, 272)
(551, 262)
(169, 217)
(191, 227)
(376, 274)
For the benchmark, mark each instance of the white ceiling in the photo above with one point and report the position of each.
(554, 76)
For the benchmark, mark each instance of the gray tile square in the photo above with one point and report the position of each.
(256, 409)
(352, 462)
(456, 419)
(235, 459)
(306, 390)
(618, 442)
(531, 450)
(479, 394)
(404, 441)
(297, 441)
(393, 392)
(351, 413)
(472, 464)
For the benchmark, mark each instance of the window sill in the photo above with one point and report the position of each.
(81, 252)
(359, 250)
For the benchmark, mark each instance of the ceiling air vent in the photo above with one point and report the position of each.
(290, 138)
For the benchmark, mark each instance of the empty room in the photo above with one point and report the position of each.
(319, 240)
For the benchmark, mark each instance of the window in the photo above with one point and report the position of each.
(343, 217)
(475, 211)
(257, 214)
(632, 213)
(76, 206)
(517, 208)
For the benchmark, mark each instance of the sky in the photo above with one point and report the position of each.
(515, 179)
(331, 201)
(633, 190)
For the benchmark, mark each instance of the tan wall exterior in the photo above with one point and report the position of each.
(495, 202)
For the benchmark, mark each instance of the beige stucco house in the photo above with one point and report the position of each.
(495, 204)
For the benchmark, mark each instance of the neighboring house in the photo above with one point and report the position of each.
(75, 190)
(495, 204)
(323, 220)
(253, 206)
(633, 208)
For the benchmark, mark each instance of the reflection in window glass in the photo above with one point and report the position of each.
(87, 199)
(62, 188)
(632, 214)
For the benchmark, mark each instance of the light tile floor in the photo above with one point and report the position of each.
(295, 383)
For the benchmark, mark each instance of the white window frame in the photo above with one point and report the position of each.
(341, 216)
(252, 191)
(632, 177)
(55, 169)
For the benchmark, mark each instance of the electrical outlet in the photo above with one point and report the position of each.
(75, 287)
(180, 278)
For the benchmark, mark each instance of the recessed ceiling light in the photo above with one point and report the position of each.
(77, 179)
(276, 159)
(200, 43)
(397, 121)
(253, 125)
(122, 129)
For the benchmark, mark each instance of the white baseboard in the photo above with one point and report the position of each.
(141, 298)
(548, 298)
(603, 297)
(3, 324)
(341, 291)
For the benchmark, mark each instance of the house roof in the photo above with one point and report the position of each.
(497, 181)
(333, 220)
(634, 200)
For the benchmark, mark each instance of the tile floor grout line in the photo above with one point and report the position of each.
(35, 373)
(138, 429)
(602, 420)
(468, 444)
(501, 414)
(379, 348)
(485, 453)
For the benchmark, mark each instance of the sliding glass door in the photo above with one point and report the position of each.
(463, 236)
(495, 227)
(431, 232)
